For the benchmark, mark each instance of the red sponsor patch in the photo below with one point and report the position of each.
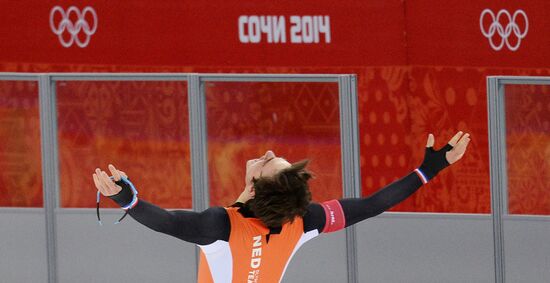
(335, 219)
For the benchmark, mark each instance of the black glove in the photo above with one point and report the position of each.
(434, 161)
(126, 198)
(126, 195)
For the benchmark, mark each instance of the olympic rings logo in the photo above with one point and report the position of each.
(503, 32)
(73, 28)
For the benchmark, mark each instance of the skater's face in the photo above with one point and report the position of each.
(265, 166)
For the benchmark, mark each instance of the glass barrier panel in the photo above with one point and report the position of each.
(141, 127)
(20, 153)
(296, 120)
(528, 148)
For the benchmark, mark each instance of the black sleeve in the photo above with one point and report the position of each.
(314, 218)
(200, 228)
(358, 209)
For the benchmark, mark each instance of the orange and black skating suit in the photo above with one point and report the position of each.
(237, 247)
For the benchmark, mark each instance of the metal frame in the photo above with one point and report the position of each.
(50, 168)
(269, 78)
(351, 173)
(498, 170)
(199, 147)
(19, 77)
(497, 157)
(518, 80)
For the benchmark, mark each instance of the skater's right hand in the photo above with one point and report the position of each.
(105, 184)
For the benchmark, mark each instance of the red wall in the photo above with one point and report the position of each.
(421, 68)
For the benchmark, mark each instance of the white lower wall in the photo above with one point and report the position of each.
(392, 247)
(527, 250)
(127, 252)
(23, 246)
(322, 259)
(396, 247)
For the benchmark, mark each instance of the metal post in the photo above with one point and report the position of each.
(48, 132)
(495, 104)
(199, 149)
(351, 174)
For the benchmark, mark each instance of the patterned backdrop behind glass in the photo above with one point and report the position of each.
(20, 160)
(528, 148)
(140, 127)
(295, 120)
